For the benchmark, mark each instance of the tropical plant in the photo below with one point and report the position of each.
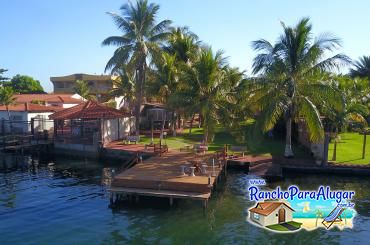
(292, 80)
(2, 71)
(361, 68)
(207, 90)
(82, 88)
(124, 86)
(183, 44)
(182, 49)
(7, 98)
(355, 90)
(24, 85)
(140, 41)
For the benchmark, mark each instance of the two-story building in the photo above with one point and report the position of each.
(98, 84)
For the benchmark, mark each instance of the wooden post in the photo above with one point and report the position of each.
(364, 145)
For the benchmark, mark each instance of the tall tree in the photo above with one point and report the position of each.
(2, 71)
(361, 68)
(7, 98)
(183, 44)
(206, 90)
(140, 41)
(124, 86)
(25, 85)
(292, 79)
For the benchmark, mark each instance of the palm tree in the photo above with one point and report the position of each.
(82, 88)
(6, 99)
(207, 91)
(361, 68)
(124, 86)
(140, 40)
(183, 44)
(292, 79)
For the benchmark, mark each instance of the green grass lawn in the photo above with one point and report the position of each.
(349, 149)
(256, 145)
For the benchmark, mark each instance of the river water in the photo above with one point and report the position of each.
(66, 202)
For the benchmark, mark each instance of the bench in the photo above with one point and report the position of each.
(132, 138)
(237, 151)
(200, 148)
(158, 148)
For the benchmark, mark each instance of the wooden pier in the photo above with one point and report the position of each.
(161, 176)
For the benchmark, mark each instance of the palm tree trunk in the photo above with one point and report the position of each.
(173, 124)
(205, 137)
(288, 139)
(140, 75)
(191, 123)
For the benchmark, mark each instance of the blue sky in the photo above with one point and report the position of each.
(52, 38)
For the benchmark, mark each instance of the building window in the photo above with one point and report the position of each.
(59, 85)
(256, 216)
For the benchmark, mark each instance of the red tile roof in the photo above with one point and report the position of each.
(51, 98)
(266, 208)
(29, 107)
(88, 110)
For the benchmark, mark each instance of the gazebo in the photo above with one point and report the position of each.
(90, 123)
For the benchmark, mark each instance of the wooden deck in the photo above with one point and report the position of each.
(131, 148)
(161, 177)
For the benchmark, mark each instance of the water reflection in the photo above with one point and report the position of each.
(65, 200)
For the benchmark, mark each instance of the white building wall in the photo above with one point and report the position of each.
(44, 123)
(115, 129)
(68, 105)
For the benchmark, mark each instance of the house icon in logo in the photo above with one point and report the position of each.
(271, 213)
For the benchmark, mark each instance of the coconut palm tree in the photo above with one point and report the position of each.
(124, 86)
(140, 41)
(207, 90)
(291, 82)
(183, 44)
(361, 68)
(340, 120)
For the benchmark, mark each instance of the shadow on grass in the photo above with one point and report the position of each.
(255, 142)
